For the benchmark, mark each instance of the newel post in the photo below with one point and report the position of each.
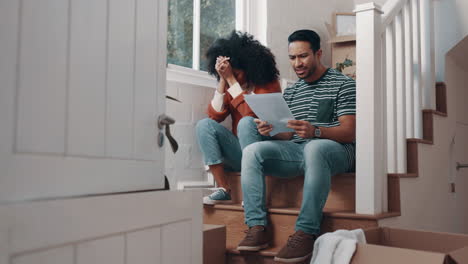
(371, 150)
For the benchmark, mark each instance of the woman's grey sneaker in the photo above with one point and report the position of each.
(220, 196)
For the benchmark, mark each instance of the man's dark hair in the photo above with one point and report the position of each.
(306, 35)
(245, 54)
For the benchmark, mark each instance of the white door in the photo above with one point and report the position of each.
(82, 83)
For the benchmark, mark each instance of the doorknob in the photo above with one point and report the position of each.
(165, 121)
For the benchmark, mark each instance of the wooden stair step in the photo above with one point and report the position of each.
(262, 257)
(282, 222)
(441, 97)
(283, 193)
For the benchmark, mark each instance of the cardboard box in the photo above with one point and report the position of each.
(391, 245)
(214, 244)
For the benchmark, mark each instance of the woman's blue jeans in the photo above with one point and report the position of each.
(219, 145)
(317, 160)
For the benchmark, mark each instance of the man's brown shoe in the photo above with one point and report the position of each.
(298, 248)
(257, 238)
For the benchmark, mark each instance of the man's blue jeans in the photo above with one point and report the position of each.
(219, 145)
(317, 160)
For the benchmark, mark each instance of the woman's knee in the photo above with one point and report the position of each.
(204, 126)
(246, 124)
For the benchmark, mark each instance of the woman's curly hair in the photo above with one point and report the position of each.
(246, 54)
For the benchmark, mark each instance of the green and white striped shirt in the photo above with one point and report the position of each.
(321, 103)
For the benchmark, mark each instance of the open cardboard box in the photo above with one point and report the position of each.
(391, 245)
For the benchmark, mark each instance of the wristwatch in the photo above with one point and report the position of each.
(317, 132)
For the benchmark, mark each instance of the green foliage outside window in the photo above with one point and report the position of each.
(180, 33)
(217, 19)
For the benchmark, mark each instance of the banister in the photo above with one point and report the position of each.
(390, 9)
(391, 43)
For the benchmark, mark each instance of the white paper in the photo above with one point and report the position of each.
(271, 108)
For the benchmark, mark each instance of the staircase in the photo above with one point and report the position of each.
(284, 200)
(283, 212)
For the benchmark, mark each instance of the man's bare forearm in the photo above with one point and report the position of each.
(341, 133)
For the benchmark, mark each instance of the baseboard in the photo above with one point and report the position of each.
(208, 183)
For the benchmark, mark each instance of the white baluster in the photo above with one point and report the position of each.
(400, 94)
(416, 70)
(427, 54)
(408, 70)
(391, 98)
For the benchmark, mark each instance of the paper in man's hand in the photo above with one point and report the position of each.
(271, 108)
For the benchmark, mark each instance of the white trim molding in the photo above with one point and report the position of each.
(208, 183)
(371, 6)
(253, 18)
(196, 35)
(181, 74)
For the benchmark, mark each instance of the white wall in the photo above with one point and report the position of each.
(451, 26)
(284, 17)
(457, 78)
(186, 164)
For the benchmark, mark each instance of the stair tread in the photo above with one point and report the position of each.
(422, 141)
(435, 112)
(337, 175)
(327, 212)
(268, 252)
(403, 175)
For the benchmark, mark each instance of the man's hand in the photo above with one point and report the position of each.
(263, 127)
(303, 128)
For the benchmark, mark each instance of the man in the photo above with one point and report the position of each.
(323, 104)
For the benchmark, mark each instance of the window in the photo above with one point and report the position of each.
(193, 25)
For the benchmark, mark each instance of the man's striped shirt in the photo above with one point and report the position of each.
(321, 103)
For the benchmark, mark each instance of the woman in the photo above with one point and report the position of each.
(242, 66)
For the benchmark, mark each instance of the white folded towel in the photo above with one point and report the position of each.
(337, 247)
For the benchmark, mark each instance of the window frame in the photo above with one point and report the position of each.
(194, 75)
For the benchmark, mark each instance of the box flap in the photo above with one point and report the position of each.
(371, 254)
(423, 240)
(460, 256)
